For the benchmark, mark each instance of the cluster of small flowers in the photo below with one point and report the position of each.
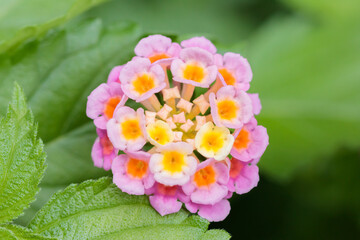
(194, 140)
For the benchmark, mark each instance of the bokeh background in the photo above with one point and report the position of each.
(305, 55)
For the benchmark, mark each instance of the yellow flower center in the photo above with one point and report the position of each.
(110, 106)
(131, 129)
(242, 140)
(159, 132)
(213, 140)
(194, 72)
(136, 168)
(205, 176)
(158, 56)
(143, 83)
(173, 161)
(228, 76)
(227, 109)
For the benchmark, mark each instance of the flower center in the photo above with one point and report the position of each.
(228, 76)
(205, 176)
(242, 140)
(136, 168)
(213, 140)
(131, 129)
(236, 167)
(158, 56)
(194, 72)
(173, 161)
(227, 109)
(143, 83)
(110, 106)
(160, 132)
(106, 145)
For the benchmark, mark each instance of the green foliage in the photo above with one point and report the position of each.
(21, 20)
(309, 91)
(99, 210)
(13, 232)
(58, 73)
(331, 11)
(22, 159)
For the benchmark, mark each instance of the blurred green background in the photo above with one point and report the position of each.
(305, 56)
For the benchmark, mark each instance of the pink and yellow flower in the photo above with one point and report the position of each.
(209, 183)
(195, 67)
(214, 142)
(103, 101)
(140, 79)
(250, 141)
(165, 139)
(166, 199)
(244, 176)
(103, 152)
(159, 133)
(157, 47)
(173, 165)
(234, 69)
(131, 172)
(127, 129)
(230, 107)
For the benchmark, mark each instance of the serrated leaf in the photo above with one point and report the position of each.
(22, 159)
(58, 74)
(24, 19)
(14, 232)
(99, 210)
(308, 80)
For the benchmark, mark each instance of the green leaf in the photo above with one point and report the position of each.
(14, 232)
(22, 159)
(58, 73)
(188, 17)
(99, 210)
(21, 20)
(308, 81)
(333, 11)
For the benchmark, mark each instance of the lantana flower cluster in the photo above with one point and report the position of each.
(176, 123)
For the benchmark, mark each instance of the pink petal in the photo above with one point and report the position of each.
(216, 212)
(152, 44)
(164, 204)
(200, 42)
(209, 196)
(114, 74)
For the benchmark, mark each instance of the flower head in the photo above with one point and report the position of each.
(176, 140)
